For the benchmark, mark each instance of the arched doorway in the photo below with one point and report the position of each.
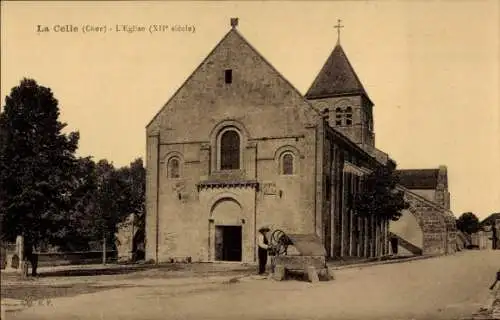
(226, 232)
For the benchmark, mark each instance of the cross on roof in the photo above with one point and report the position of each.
(338, 26)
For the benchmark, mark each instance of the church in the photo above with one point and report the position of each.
(238, 147)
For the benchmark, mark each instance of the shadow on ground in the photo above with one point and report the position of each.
(30, 293)
(98, 271)
(345, 261)
(101, 272)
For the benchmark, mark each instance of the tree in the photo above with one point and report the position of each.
(468, 222)
(80, 226)
(102, 197)
(380, 198)
(36, 164)
(135, 177)
(116, 197)
(3, 195)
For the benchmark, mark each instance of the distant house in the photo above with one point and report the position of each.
(493, 219)
(491, 229)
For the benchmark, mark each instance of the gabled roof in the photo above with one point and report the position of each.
(234, 32)
(418, 178)
(337, 77)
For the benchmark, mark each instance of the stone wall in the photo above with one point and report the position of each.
(353, 132)
(451, 231)
(179, 210)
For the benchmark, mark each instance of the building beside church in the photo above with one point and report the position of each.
(428, 226)
(238, 147)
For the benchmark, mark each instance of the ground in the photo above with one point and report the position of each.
(446, 287)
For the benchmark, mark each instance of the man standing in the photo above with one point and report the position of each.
(263, 246)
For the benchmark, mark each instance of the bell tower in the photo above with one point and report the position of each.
(338, 91)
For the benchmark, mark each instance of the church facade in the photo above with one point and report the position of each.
(238, 147)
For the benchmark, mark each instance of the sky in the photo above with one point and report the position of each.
(431, 68)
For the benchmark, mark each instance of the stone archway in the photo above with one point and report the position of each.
(431, 220)
(226, 230)
(226, 211)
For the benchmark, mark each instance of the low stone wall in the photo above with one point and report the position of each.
(68, 258)
(64, 258)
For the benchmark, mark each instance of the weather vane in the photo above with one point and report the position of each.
(338, 26)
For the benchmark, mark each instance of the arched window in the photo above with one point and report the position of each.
(348, 116)
(338, 116)
(287, 164)
(343, 116)
(173, 168)
(230, 150)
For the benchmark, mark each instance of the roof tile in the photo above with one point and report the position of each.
(336, 77)
(418, 178)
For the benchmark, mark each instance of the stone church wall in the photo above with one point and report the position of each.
(285, 202)
(352, 132)
(188, 127)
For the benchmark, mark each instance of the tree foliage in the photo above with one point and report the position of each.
(46, 192)
(104, 197)
(36, 163)
(380, 198)
(468, 222)
(79, 228)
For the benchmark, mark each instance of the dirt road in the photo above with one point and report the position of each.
(447, 287)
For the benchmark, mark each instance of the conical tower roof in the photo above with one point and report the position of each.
(337, 77)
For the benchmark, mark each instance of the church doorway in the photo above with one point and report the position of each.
(228, 243)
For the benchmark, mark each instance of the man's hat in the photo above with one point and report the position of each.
(264, 229)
